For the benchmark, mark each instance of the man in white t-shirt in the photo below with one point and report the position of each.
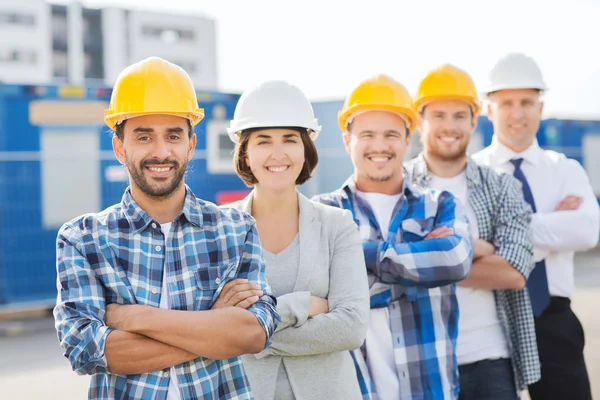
(416, 246)
(496, 348)
(565, 220)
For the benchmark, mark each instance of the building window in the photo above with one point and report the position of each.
(17, 19)
(59, 32)
(18, 56)
(60, 64)
(94, 65)
(219, 148)
(168, 35)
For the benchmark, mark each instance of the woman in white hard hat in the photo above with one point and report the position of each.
(313, 253)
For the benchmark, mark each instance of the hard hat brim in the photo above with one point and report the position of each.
(113, 119)
(235, 131)
(343, 116)
(422, 102)
(491, 89)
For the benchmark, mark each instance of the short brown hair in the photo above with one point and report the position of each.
(311, 157)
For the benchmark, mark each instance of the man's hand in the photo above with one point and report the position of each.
(481, 248)
(318, 306)
(569, 203)
(238, 293)
(440, 233)
(120, 316)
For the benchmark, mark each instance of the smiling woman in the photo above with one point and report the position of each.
(260, 142)
(313, 253)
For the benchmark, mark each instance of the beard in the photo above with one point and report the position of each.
(383, 178)
(447, 156)
(160, 190)
(380, 178)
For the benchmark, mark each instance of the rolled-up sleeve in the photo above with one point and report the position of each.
(513, 240)
(252, 268)
(80, 310)
(427, 263)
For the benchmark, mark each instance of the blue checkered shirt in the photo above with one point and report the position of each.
(503, 219)
(415, 279)
(117, 256)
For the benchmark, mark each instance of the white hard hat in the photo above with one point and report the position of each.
(273, 104)
(514, 71)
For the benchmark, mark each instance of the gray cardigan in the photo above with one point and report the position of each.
(315, 351)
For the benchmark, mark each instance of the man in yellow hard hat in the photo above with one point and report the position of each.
(496, 347)
(416, 246)
(566, 219)
(138, 281)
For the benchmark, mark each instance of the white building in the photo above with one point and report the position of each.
(46, 43)
(25, 41)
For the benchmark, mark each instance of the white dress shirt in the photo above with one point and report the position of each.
(557, 235)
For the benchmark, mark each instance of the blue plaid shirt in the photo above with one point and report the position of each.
(117, 256)
(414, 278)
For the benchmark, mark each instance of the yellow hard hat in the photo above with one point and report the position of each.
(378, 93)
(153, 86)
(447, 82)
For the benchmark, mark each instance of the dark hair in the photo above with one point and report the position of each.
(311, 157)
(119, 131)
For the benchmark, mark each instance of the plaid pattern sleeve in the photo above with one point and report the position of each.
(413, 261)
(423, 321)
(80, 313)
(120, 255)
(512, 237)
(252, 267)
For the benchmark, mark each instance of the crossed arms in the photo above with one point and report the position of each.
(130, 339)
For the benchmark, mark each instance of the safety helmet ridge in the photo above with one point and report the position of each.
(153, 86)
(447, 82)
(273, 104)
(379, 92)
(514, 71)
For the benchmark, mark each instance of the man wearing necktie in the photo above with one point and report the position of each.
(566, 219)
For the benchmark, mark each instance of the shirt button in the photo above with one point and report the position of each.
(154, 291)
(166, 374)
(157, 248)
(154, 225)
(218, 281)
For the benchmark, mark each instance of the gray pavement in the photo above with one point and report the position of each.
(32, 365)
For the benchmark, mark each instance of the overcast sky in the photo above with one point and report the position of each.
(326, 46)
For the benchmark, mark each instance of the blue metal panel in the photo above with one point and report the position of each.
(27, 249)
(205, 185)
(334, 165)
(27, 255)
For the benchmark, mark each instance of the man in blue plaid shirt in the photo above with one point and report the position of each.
(496, 332)
(145, 287)
(416, 246)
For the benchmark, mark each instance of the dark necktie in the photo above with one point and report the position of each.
(537, 284)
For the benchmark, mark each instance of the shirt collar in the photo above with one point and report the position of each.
(140, 219)
(408, 188)
(502, 154)
(422, 176)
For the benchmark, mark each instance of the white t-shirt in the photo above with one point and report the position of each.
(173, 391)
(380, 354)
(480, 335)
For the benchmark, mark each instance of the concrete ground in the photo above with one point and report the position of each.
(32, 365)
